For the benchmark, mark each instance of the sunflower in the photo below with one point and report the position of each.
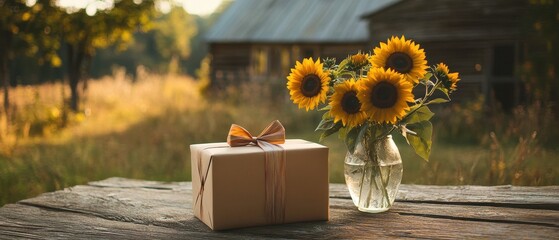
(384, 94)
(449, 79)
(359, 60)
(402, 56)
(308, 84)
(345, 105)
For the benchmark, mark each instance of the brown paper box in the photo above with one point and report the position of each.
(234, 194)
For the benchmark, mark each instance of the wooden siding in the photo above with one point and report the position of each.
(233, 63)
(445, 20)
(230, 63)
(468, 35)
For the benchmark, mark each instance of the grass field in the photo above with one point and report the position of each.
(143, 131)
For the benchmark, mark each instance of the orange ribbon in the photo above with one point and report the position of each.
(274, 165)
(273, 134)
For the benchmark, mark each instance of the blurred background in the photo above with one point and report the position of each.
(93, 89)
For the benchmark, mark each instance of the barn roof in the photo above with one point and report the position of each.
(284, 21)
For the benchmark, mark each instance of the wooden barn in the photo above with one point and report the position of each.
(259, 40)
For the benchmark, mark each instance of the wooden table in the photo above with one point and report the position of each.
(118, 208)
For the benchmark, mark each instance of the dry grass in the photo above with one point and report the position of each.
(143, 130)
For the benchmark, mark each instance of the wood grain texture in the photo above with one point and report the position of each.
(119, 208)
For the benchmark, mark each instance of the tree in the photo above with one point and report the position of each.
(164, 48)
(172, 33)
(11, 17)
(24, 30)
(84, 34)
(198, 44)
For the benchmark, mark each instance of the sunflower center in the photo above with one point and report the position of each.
(310, 86)
(350, 103)
(384, 95)
(400, 62)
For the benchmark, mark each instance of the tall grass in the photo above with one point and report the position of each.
(143, 130)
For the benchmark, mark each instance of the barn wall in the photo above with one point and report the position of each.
(234, 62)
(480, 39)
(444, 20)
(230, 63)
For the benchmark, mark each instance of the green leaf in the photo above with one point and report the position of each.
(362, 131)
(343, 133)
(381, 131)
(445, 91)
(330, 131)
(422, 142)
(343, 64)
(438, 100)
(326, 108)
(351, 138)
(423, 113)
(325, 124)
(326, 115)
(427, 77)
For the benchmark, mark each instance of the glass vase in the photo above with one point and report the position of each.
(373, 174)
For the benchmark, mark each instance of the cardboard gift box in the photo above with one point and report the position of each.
(230, 190)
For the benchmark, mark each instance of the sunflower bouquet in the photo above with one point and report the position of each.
(372, 95)
(366, 98)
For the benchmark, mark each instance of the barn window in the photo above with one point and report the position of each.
(504, 85)
(503, 60)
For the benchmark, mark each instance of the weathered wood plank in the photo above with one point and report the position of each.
(118, 182)
(164, 210)
(547, 196)
(468, 213)
(21, 221)
(476, 195)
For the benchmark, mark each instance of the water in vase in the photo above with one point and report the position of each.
(373, 185)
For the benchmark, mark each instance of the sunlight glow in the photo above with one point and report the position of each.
(197, 7)
(91, 6)
(200, 7)
(30, 3)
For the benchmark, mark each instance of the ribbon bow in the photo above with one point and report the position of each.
(274, 165)
(273, 134)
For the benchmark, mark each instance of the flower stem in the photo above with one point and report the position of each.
(361, 185)
(375, 170)
(382, 187)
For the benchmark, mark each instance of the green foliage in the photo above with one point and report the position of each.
(172, 34)
(417, 114)
(203, 75)
(350, 137)
(84, 34)
(421, 140)
(107, 27)
(25, 30)
(166, 47)
(326, 123)
(437, 100)
(156, 41)
(541, 65)
(330, 131)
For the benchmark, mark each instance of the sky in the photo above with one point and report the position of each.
(198, 7)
